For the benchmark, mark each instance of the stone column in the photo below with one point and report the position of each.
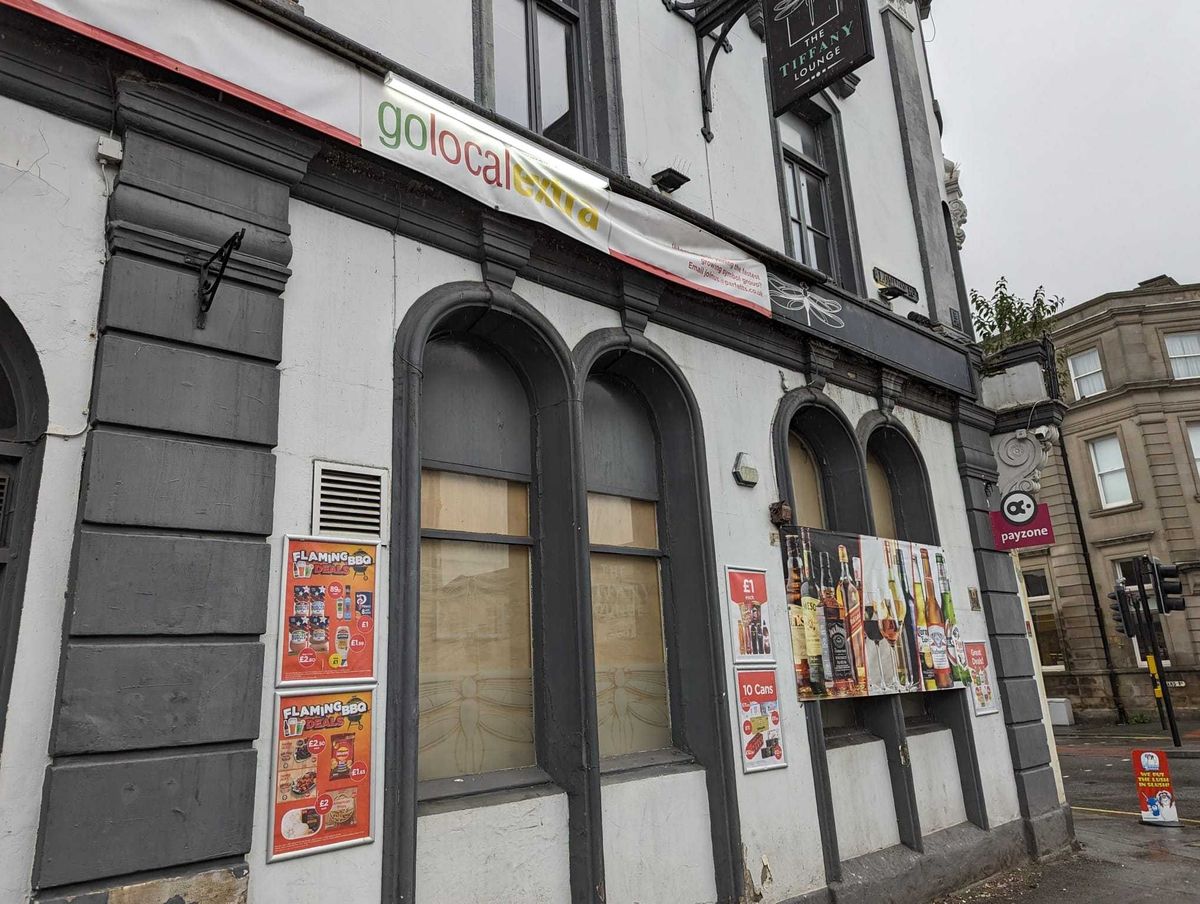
(161, 680)
(1047, 821)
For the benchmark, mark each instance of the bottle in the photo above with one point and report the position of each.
(904, 662)
(795, 606)
(766, 639)
(954, 644)
(928, 680)
(755, 629)
(937, 629)
(850, 611)
(742, 648)
(810, 598)
(841, 663)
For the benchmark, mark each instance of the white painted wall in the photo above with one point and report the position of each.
(52, 202)
(504, 852)
(936, 780)
(866, 818)
(433, 39)
(657, 841)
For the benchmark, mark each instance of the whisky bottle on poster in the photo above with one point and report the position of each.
(928, 680)
(795, 608)
(937, 628)
(814, 631)
(904, 660)
(841, 664)
(850, 606)
(955, 647)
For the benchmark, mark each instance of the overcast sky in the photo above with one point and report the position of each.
(1077, 125)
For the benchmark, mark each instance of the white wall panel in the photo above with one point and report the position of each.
(51, 268)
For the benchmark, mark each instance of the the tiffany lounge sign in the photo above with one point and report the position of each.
(813, 43)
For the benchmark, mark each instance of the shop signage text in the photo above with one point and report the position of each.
(1021, 522)
(813, 43)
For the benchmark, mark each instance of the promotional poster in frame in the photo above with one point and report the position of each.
(328, 611)
(983, 684)
(870, 616)
(749, 620)
(322, 770)
(760, 720)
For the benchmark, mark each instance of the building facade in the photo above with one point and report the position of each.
(1129, 441)
(549, 326)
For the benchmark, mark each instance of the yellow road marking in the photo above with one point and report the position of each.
(1191, 822)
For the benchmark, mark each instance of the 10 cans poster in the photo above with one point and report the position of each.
(761, 739)
(870, 616)
(321, 797)
(328, 611)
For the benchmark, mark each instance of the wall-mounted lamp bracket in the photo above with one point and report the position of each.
(212, 271)
(706, 17)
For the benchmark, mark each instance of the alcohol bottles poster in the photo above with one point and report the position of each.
(328, 611)
(761, 737)
(748, 619)
(321, 793)
(870, 616)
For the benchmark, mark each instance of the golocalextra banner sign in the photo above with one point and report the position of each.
(813, 43)
(492, 165)
(276, 70)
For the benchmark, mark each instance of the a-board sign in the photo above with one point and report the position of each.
(1156, 794)
(813, 43)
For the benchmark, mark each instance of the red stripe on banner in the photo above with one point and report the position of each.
(658, 271)
(141, 51)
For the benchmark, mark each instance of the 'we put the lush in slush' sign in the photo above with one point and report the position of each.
(813, 43)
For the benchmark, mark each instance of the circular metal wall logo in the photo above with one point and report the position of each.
(1018, 507)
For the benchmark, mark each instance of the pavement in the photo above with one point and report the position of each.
(1119, 860)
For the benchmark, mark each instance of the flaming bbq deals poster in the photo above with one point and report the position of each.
(328, 613)
(321, 793)
(761, 734)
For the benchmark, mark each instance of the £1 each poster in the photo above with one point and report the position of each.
(321, 793)
(329, 611)
(748, 619)
(760, 720)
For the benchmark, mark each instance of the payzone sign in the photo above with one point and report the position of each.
(1021, 522)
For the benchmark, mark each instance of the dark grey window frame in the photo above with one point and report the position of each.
(567, 746)
(691, 605)
(599, 114)
(469, 785)
(912, 497)
(794, 162)
(22, 447)
(825, 117)
(563, 675)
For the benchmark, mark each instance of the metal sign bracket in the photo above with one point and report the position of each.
(707, 16)
(212, 271)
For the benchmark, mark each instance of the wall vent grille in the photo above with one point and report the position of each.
(349, 500)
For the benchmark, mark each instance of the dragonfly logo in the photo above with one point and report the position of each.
(805, 17)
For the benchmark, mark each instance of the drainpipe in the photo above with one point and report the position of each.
(1114, 684)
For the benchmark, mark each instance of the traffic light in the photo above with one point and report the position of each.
(1122, 614)
(1167, 586)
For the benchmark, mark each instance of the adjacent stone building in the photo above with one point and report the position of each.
(1127, 473)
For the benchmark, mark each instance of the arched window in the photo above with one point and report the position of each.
(632, 708)
(899, 483)
(654, 603)
(809, 507)
(476, 651)
(819, 464)
(880, 489)
(23, 417)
